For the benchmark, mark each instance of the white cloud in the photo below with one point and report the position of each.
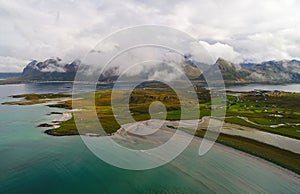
(256, 30)
(218, 49)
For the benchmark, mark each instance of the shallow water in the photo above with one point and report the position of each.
(34, 162)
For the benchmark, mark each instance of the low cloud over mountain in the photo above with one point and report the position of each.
(51, 69)
(266, 72)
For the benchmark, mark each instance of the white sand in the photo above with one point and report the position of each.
(163, 134)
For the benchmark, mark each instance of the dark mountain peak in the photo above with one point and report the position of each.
(225, 65)
(230, 71)
(72, 67)
(50, 69)
(294, 61)
(274, 71)
(220, 60)
(53, 69)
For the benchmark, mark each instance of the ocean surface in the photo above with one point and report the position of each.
(33, 162)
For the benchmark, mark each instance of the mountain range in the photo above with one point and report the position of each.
(283, 71)
(50, 69)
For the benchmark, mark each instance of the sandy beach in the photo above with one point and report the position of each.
(152, 133)
(259, 161)
(164, 133)
(276, 140)
(65, 116)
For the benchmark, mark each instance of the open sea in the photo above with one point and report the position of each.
(33, 162)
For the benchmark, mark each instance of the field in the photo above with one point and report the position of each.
(275, 112)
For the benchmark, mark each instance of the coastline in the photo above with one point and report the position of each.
(68, 128)
(275, 168)
(165, 133)
(271, 139)
(65, 116)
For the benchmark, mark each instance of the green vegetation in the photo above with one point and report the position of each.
(275, 112)
(30, 99)
(66, 128)
(41, 96)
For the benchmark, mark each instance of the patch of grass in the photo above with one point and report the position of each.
(42, 96)
(27, 102)
(31, 99)
(66, 128)
(66, 104)
(265, 109)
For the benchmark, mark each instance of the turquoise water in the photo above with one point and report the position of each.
(33, 162)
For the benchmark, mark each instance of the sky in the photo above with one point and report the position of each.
(247, 30)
